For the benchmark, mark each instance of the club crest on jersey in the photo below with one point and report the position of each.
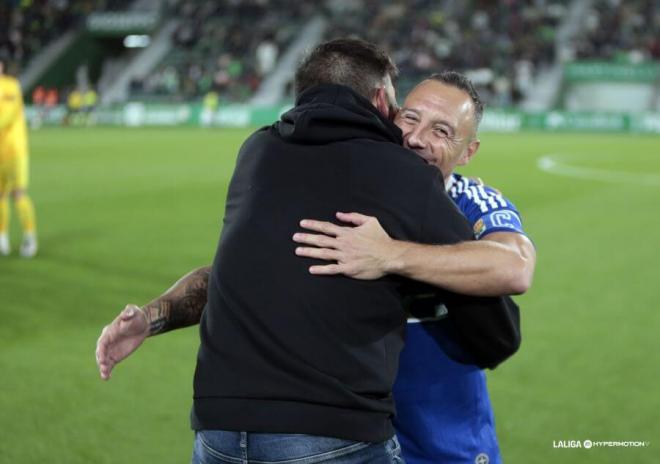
(482, 458)
(479, 227)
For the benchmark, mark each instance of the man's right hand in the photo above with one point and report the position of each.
(361, 251)
(119, 339)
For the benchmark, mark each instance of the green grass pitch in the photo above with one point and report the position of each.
(122, 213)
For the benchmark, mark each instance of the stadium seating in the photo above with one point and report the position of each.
(621, 31)
(500, 44)
(231, 46)
(226, 46)
(27, 26)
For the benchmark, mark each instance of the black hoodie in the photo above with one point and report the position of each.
(283, 351)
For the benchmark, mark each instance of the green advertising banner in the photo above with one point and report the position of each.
(137, 114)
(118, 23)
(601, 71)
(243, 115)
(578, 122)
(501, 121)
(647, 123)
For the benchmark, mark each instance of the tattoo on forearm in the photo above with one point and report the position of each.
(157, 315)
(181, 305)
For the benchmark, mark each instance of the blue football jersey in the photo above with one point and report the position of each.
(484, 207)
(444, 415)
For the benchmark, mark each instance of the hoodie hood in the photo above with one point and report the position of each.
(332, 113)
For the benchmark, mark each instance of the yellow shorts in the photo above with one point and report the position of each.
(13, 174)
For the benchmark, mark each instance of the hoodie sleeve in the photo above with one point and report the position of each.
(444, 223)
(488, 328)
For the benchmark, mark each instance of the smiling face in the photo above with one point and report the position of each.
(438, 123)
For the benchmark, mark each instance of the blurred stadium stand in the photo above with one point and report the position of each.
(28, 26)
(225, 46)
(524, 55)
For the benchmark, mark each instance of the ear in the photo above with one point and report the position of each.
(469, 153)
(380, 101)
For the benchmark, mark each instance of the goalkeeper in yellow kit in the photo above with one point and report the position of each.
(14, 166)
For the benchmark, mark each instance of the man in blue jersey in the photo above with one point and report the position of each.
(443, 409)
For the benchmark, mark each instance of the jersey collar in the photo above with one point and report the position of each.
(450, 183)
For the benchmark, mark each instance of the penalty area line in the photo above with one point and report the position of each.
(556, 164)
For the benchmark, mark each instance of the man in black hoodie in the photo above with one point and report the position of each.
(291, 366)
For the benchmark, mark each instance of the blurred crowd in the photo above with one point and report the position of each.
(618, 30)
(225, 46)
(26, 26)
(223, 49)
(229, 46)
(501, 44)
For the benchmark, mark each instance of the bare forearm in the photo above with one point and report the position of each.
(483, 268)
(181, 305)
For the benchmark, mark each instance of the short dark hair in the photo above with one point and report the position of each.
(355, 63)
(460, 81)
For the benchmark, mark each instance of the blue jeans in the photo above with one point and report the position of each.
(220, 447)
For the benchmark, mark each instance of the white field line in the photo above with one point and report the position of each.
(556, 164)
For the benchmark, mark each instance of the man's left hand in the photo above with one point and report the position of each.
(361, 251)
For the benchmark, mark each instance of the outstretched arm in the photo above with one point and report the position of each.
(502, 263)
(180, 306)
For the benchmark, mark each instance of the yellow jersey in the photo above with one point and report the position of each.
(13, 129)
(75, 101)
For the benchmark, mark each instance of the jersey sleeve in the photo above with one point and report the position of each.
(488, 211)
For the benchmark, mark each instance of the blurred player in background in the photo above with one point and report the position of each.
(444, 413)
(89, 101)
(14, 166)
(74, 106)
